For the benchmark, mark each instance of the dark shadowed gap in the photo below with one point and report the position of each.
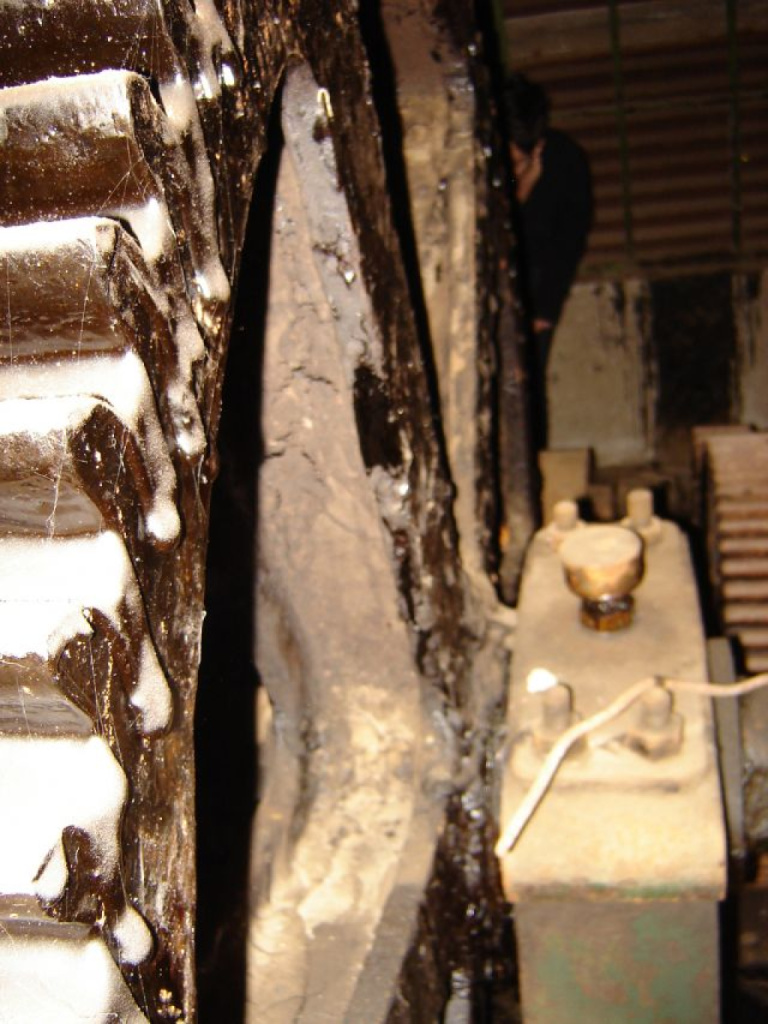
(225, 718)
(695, 337)
(384, 91)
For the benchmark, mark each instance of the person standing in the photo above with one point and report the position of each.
(554, 214)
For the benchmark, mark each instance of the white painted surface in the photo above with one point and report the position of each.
(93, 240)
(122, 383)
(47, 784)
(41, 417)
(60, 975)
(46, 587)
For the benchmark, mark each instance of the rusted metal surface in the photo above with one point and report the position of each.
(737, 539)
(131, 134)
(728, 719)
(735, 486)
(602, 565)
(617, 877)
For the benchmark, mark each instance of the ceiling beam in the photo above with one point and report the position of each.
(647, 25)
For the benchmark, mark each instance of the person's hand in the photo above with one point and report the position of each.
(541, 325)
(527, 169)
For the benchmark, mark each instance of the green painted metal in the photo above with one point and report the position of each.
(585, 962)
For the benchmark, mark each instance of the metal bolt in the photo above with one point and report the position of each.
(557, 708)
(459, 1008)
(658, 731)
(640, 508)
(656, 709)
(557, 715)
(565, 515)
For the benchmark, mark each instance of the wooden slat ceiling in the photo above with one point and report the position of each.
(674, 120)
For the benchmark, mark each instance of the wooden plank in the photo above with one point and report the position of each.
(648, 25)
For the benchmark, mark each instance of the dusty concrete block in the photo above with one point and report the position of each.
(750, 313)
(600, 378)
(602, 499)
(565, 475)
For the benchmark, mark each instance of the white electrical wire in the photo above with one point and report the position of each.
(563, 744)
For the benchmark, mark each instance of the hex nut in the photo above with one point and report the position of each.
(659, 729)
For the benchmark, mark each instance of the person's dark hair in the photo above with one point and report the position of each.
(526, 109)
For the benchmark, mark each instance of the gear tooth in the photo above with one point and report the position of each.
(111, 270)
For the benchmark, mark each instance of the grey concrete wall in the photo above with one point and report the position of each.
(606, 370)
(750, 302)
(600, 373)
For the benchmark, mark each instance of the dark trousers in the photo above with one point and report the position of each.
(541, 343)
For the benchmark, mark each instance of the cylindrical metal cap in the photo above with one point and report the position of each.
(602, 565)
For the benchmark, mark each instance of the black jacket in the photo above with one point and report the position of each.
(553, 226)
